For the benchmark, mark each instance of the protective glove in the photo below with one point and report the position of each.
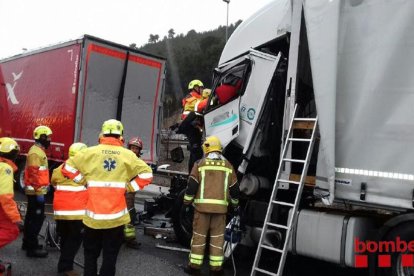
(40, 198)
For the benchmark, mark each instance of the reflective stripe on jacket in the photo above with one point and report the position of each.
(8, 207)
(109, 170)
(215, 177)
(189, 103)
(36, 173)
(69, 199)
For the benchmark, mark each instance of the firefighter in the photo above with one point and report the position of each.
(69, 204)
(194, 96)
(212, 183)
(135, 145)
(192, 120)
(36, 180)
(9, 215)
(109, 170)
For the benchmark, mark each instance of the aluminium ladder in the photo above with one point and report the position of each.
(281, 251)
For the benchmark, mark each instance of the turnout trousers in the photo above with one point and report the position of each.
(212, 226)
(71, 237)
(108, 241)
(33, 222)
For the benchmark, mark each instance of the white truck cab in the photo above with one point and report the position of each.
(350, 63)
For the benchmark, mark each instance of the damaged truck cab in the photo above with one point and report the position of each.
(346, 63)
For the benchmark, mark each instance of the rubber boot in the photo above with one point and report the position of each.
(134, 244)
(191, 270)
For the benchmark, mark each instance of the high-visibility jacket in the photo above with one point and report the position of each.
(36, 173)
(109, 170)
(211, 185)
(69, 198)
(189, 103)
(8, 207)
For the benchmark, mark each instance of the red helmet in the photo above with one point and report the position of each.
(136, 141)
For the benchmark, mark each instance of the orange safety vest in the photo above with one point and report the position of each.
(189, 103)
(36, 173)
(69, 199)
(108, 169)
(8, 207)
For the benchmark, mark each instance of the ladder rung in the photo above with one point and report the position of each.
(265, 271)
(294, 160)
(283, 203)
(305, 119)
(289, 181)
(300, 139)
(278, 225)
(272, 248)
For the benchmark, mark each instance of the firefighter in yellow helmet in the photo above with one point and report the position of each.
(110, 170)
(69, 204)
(211, 186)
(9, 215)
(36, 180)
(135, 145)
(192, 121)
(195, 88)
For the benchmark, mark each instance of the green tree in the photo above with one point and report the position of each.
(171, 33)
(190, 56)
(153, 38)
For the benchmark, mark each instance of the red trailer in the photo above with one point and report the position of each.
(74, 86)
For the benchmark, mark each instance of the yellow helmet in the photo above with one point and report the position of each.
(7, 145)
(75, 148)
(195, 83)
(38, 131)
(212, 143)
(206, 93)
(112, 127)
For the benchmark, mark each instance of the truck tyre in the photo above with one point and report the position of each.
(406, 233)
(19, 176)
(182, 220)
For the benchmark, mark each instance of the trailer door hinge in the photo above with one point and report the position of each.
(363, 191)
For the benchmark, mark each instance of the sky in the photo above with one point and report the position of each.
(32, 24)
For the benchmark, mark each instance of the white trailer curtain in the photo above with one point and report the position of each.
(362, 59)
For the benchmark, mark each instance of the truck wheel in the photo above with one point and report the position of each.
(19, 176)
(182, 221)
(405, 233)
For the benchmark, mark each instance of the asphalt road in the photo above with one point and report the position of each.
(149, 260)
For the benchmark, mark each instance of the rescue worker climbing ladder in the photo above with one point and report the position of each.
(211, 184)
(109, 170)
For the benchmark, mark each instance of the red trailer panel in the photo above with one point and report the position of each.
(5, 124)
(42, 90)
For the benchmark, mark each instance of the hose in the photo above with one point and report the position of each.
(49, 235)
